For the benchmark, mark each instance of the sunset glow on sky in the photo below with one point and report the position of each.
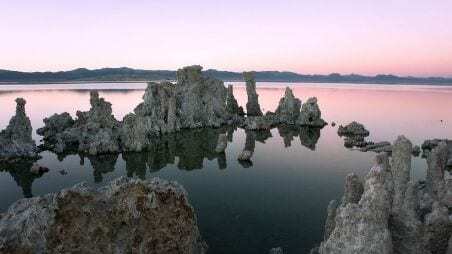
(403, 37)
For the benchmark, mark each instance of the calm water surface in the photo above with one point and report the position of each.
(278, 200)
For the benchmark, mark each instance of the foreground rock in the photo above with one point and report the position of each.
(394, 215)
(16, 140)
(125, 216)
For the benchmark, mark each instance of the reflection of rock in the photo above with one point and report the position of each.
(93, 132)
(102, 164)
(23, 175)
(395, 215)
(16, 140)
(245, 155)
(222, 143)
(288, 132)
(135, 164)
(250, 143)
(126, 215)
(190, 146)
(252, 106)
(309, 136)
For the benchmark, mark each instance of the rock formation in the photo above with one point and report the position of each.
(394, 215)
(288, 110)
(355, 134)
(125, 216)
(232, 107)
(310, 114)
(195, 101)
(353, 129)
(16, 140)
(252, 106)
(93, 132)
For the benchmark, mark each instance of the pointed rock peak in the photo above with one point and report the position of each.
(288, 93)
(20, 106)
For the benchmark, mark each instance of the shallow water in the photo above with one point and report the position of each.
(278, 200)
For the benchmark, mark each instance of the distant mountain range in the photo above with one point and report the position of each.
(136, 75)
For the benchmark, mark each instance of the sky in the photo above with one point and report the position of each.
(402, 37)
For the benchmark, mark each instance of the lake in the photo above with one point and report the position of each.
(280, 198)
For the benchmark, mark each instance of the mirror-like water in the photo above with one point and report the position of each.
(280, 198)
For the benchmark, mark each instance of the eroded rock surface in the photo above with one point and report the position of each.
(125, 216)
(353, 129)
(310, 114)
(288, 110)
(394, 214)
(195, 101)
(93, 132)
(16, 140)
(252, 106)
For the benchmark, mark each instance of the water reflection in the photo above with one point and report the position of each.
(22, 174)
(308, 136)
(187, 150)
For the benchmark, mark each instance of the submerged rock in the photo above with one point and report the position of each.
(16, 140)
(151, 216)
(252, 106)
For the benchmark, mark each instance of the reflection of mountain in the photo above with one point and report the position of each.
(21, 173)
(308, 136)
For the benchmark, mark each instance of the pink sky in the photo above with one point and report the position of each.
(404, 37)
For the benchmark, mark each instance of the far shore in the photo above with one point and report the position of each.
(267, 81)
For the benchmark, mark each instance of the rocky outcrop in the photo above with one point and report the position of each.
(93, 132)
(288, 110)
(195, 101)
(395, 215)
(310, 114)
(252, 106)
(125, 216)
(353, 129)
(16, 140)
(232, 107)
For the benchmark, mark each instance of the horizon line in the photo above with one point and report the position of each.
(449, 76)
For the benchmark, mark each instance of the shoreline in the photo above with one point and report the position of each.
(257, 80)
